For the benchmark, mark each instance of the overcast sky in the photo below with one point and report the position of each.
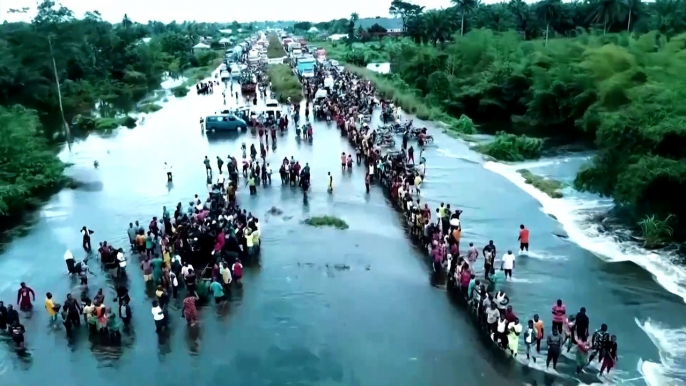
(218, 10)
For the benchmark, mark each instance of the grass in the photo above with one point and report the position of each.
(512, 147)
(284, 83)
(194, 75)
(326, 221)
(548, 186)
(148, 108)
(275, 49)
(656, 231)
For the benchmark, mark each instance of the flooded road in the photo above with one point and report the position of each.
(326, 307)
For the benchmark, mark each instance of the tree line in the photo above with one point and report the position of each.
(543, 19)
(96, 63)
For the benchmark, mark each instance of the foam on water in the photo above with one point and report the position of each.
(671, 345)
(541, 255)
(573, 214)
(450, 154)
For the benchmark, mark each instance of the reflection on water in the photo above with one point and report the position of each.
(325, 306)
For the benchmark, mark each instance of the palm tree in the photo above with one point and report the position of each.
(464, 7)
(549, 11)
(520, 10)
(607, 12)
(497, 17)
(667, 15)
(126, 22)
(354, 17)
(633, 8)
(438, 25)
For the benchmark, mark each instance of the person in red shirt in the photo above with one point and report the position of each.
(523, 238)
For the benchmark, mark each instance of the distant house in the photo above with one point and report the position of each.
(200, 47)
(336, 37)
(395, 30)
(312, 30)
(144, 41)
(240, 30)
(225, 31)
(225, 41)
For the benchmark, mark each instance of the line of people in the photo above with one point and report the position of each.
(401, 178)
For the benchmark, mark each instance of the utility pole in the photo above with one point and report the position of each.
(59, 93)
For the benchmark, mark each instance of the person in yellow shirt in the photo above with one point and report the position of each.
(249, 241)
(50, 308)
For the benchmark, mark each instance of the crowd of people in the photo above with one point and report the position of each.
(350, 102)
(216, 235)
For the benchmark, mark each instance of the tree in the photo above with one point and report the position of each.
(549, 12)
(520, 10)
(634, 9)
(404, 11)
(607, 12)
(126, 22)
(464, 8)
(438, 25)
(302, 26)
(376, 28)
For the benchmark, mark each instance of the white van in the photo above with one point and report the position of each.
(328, 82)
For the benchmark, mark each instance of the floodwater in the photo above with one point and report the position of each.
(325, 307)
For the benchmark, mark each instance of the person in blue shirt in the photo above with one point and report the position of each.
(217, 290)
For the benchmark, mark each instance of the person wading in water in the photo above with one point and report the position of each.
(24, 295)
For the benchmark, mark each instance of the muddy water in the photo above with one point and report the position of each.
(350, 307)
(325, 307)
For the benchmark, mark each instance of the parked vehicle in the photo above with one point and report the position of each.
(224, 123)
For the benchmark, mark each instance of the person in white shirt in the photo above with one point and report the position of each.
(185, 269)
(508, 264)
(122, 263)
(158, 316)
(421, 170)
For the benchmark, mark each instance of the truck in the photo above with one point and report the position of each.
(306, 67)
(253, 57)
(293, 46)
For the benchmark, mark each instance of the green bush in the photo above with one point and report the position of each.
(149, 108)
(105, 123)
(548, 186)
(180, 91)
(326, 221)
(463, 125)
(656, 231)
(127, 121)
(28, 167)
(511, 147)
(284, 83)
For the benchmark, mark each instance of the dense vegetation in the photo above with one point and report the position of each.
(275, 48)
(608, 73)
(27, 167)
(96, 64)
(284, 83)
